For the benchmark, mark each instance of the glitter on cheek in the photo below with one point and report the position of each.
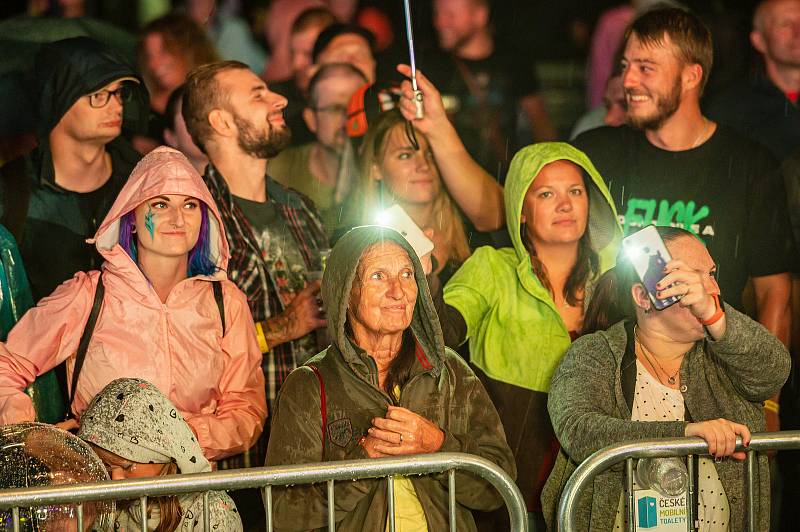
(148, 222)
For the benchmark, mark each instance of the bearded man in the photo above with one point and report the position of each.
(275, 234)
(673, 166)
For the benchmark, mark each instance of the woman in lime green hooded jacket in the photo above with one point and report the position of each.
(521, 307)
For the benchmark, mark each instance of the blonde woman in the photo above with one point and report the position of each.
(422, 165)
(394, 171)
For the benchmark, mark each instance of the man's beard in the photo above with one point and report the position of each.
(264, 145)
(665, 108)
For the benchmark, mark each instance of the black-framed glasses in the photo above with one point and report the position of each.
(101, 98)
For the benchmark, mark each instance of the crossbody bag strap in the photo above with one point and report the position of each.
(217, 286)
(323, 406)
(83, 345)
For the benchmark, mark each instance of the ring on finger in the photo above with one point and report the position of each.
(401, 438)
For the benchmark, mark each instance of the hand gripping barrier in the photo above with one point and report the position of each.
(628, 452)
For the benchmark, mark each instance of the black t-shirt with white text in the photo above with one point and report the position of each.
(727, 191)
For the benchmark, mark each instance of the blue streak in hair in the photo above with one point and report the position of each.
(200, 262)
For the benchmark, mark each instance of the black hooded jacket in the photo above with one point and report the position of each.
(51, 224)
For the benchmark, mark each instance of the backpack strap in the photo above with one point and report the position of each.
(323, 406)
(217, 286)
(83, 345)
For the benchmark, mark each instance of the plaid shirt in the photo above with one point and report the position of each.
(251, 272)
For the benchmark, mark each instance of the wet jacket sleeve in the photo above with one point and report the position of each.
(481, 435)
(241, 409)
(471, 291)
(752, 359)
(44, 337)
(296, 438)
(582, 402)
(454, 328)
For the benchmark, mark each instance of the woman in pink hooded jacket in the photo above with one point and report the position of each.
(159, 321)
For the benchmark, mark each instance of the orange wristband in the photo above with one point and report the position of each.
(716, 316)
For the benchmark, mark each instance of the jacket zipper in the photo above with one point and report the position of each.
(391, 399)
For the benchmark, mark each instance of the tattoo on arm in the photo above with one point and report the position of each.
(279, 329)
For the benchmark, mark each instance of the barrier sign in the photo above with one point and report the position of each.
(657, 513)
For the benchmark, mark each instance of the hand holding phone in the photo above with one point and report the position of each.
(649, 256)
(399, 220)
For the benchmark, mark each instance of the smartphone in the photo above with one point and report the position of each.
(399, 220)
(648, 255)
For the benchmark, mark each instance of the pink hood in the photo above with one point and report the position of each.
(212, 375)
(162, 171)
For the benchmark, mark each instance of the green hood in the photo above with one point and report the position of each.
(604, 230)
(340, 271)
(516, 334)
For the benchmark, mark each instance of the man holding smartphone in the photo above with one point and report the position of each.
(673, 166)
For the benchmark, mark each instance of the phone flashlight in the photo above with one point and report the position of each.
(383, 218)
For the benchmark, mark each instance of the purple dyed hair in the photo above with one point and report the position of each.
(200, 262)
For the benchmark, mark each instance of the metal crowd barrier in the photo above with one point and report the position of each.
(267, 477)
(605, 458)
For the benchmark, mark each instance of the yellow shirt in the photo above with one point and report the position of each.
(409, 516)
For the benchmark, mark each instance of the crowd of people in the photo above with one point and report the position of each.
(198, 273)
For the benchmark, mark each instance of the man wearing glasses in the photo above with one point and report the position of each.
(314, 168)
(54, 198)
